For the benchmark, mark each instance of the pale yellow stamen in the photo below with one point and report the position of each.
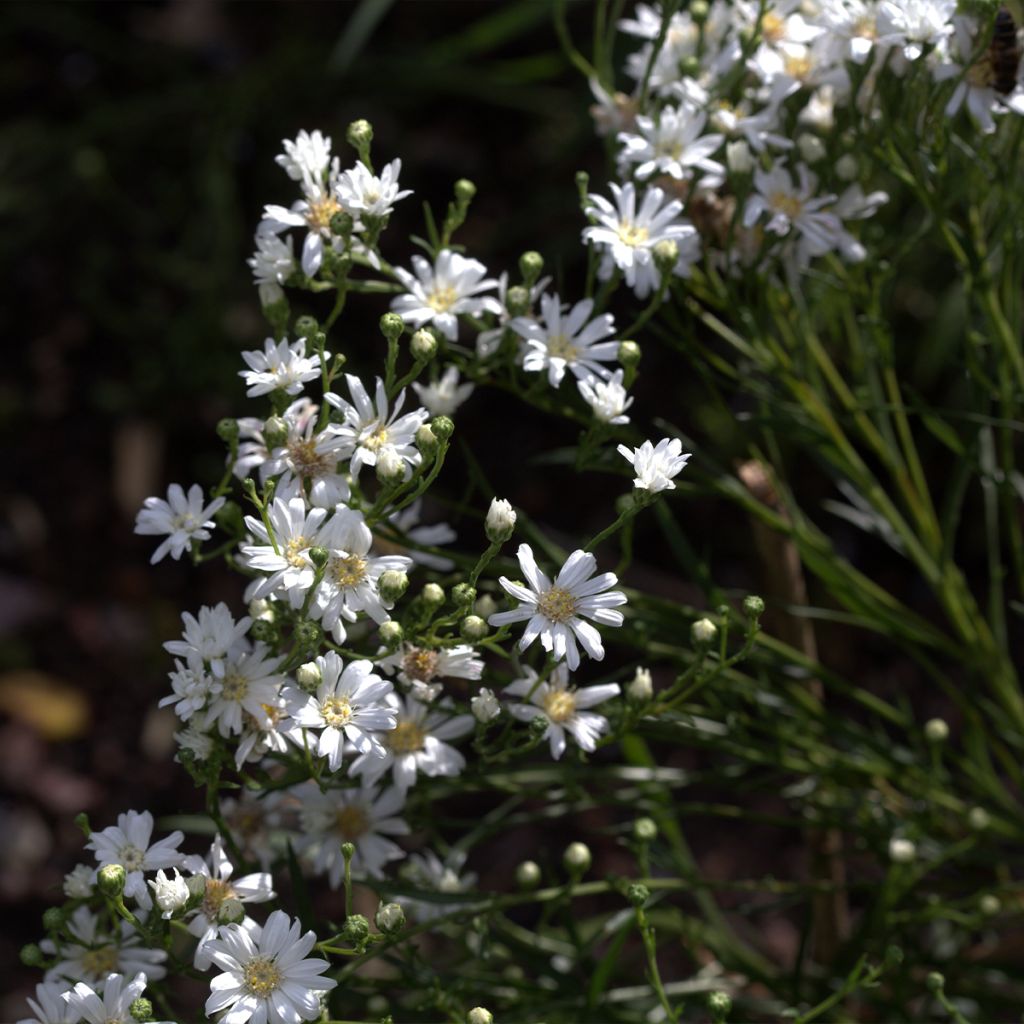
(261, 976)
(440, 300)
(561, 347)
(406, 738)
(786, 203)
(307, 462)
(293, 552)
(216, 893)
(559, 705)
(557, 604)
(321, 211)
(234, 687)
(375, 441)
(632, 234)
(420, 664)
(101, 962)
(131, 857)
(349, 571)
(336, 711)
(351, 822)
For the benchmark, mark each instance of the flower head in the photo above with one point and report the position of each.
(279, 367)
(656, 465)
(183, 518)
(113, 1005)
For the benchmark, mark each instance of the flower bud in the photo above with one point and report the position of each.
(978, 818)
(275, 432)
(390, 467)
(936, 730)
(846, 167)
(423, 345)
(442, 427)
(169, 894)
(426, 440)
(261, 608)
(231, 912)
(989, 905)
(641, 686)
(479, 1015)
(309, 676)
(31, 955)
(263, 629)
(392, 585)
(196, 885)
(530, 266)
(638, 894)
(517, 300)
(227, 430)
(110, 880)
(645, 830)
(359, 135)
(703, 633)
(485, 706)
(391, 326)
(699, 11)
(390, 918)
(753, 606)
(356, 929)
(473, 628)
(141, 1009)
(901, 851)
(463, 595)
(689, 67)
(485, 606)
(432, 595)
(307, 633)
(812, 149)
(342, 224)
(464, 190)
(306, 326)
(500, 523)
(935, 982)
(528, 875)
(719, 1005)
(53, 918)
(82, 822)
(666, 255)
(738, 157)
(390, 633)
(629, 354)
(577, 856)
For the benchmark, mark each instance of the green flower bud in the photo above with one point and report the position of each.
(479, 1015)
(582, 181)
(500, 523)
(356, 929)
(32, 956)
(699, 10)
(666, 255)
(390, 918)
(307, 634)
(306, 326)
(275, 432)
(53, 919)
(309, 676)
(978, 818)
(392, 585)
(196, 885)
(530, 266)
(638, 894)
(359, 135)
(753, 606)
(935, 982)
(110, 880)
(689, 67)
(82, 822)
(348, 850)
(231, 912)
(463, 595)
(645, 830)
(426, 440)
(989, 905)
(319, 556)
(893, 956)
(538, 726)
(392, 326)
(141, 1010)
(528, 875)
(227, 430)
(390, 633)
(390, 467)
(342, 224)
(432, 595)
(442, 427)
(719, 1005)
(629, 354)
(464, 190)
(936, 730)
(517, 300)
(473, 628)
(423, 345)
(263, 630)
(577, 856)
(703, 633)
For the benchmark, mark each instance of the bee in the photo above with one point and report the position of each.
(1004, 53)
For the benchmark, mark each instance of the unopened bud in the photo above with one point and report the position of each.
(641, 686)
(392, 585)
(53, 919)
(530, 266)
(426, 440)
(231, 911)
(935, 982)
(464, 190)
(141, 1009)
(703, 632)
(31, 955)
(638, 894)
(479, 1015)
(485, 606)
(902, 851)
(989, 905)
(846, 167)
(528, 875)
(645, 830)
(689, 67)
(196, 885)
(390, 467)
(308, 676)
(442, 427)
(356, 929)
(432, 595)
(699, 10)
(275, 432)
(485, 706)
(978, 818)
(359, 135)
(423, 345)
(500, 523)
(738, 157)
(169, 894)
(517, 300)
(307, 633)
(463, 595)
(110, 880)
(629, 353)
(390, 918)
(390, 633)
(577, 857)
(263, 629)
(227, 430)
(391, 326)
(753, 606)
(666, 255)
(342, 224)
(261, 608)
(473, 628)
(306, 326)
(812, 149)
(719, 1006)
(936, 730)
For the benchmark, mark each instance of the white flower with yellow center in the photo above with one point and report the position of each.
(438, 294)
(417, 743)
(183, 518)
(112, 1005)
(555, 611)
(285, 556)
(209, 637)
(50, 1006)
(656, 465)
(306, 157)
(362, 191)
(362, 816)
(672, 143)
(627, 235)
(563, 707)
(349, 704)
(220, 887)
(608, 398)
(272, 264)
(424, 665)
(567, 340)
(127, 843)
(279, 367)
(369, 427)
(267, 977)
(251, 685)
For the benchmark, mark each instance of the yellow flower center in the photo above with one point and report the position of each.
(440, 300)
(420, 664)
(559, 705)
(798, 67)
(351, 822)
(321, 211)
(786, 203)
(131, 857)
(980, 73)
(307, 462)
(216, 893)
(336, 711)
(293, 552)
(772, 27)
(348, 571)
(375, 441)
(560, 347)
(557, 604)
(632, 234)
(234, 687)
(261, 976)
(406, 737)
(101, 962)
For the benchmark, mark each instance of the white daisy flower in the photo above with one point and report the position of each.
(417, 744)
(286, 558)
(369, 427)
(555, 611)
(851, 29)
(608, 398)
(267, 977)
(92, 955)
(348, 705)
(419, 667)
(359, 189)
(268, 733)
(564, 707)
(656, 465)
(217, 870)
(427, 871)
(306, 158)
(407, 521)
(442, 397)
(279, 367)
(209, 637)
(50, 1006)
(79, 882)
(192, 688)
(438, 294)
(567, 340)
(127, 843)
(251, 684)
(914, 25)
(362, 816)
(272, 264)
(485, 705)
(627, 236)
(673, 144)
(183, 519)
(114, 1006)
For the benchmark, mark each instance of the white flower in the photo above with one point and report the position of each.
(280, 367)
(484, 705)
(608, 398)
(563, 706)
(192, 688)
(286, 557)
(672, 144)
(199, 744)
(115, 1005)
(627, 236)
(438, 294)
(902, 851)
(361, 190)
(127, 844)
(368, 426)
(78, 882)
(307, 158)
(50, 1006)
(92, 955)
(416, 744)
(266, 733)
(184, 519)
(500, 522)
(913, 25)
(656, 465)
(209, 637)
(251, 685)
(564, 340)
(429, 872)
(442, 397)
(555, 611)
(217, 870)
(418, 667)
(169, 894)
(272, 264)
(348, 704)
(267, 977)
(361, 816)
